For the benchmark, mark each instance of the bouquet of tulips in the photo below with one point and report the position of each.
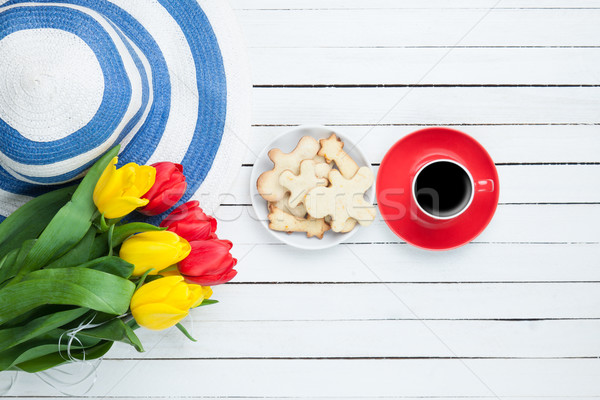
(75, 278)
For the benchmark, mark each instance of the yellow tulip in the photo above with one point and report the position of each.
(158, 250)
(119, 191)
(164, 302)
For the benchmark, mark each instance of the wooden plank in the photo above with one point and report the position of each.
(505, 143)
(549, 183)
(476, 262)
(370, 339)
(316, 397)
(420, 27)
(338, 378)
(511, 224)
(329, 398)
(426, 105)
(293, 302)
(380, 66)
(306, 397)
(518, 184)
(395, 4)
(360, 324)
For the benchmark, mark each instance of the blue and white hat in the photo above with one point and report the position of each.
(168, 79)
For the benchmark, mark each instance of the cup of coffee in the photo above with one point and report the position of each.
(443, 189)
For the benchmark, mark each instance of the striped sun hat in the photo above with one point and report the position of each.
(167, 79)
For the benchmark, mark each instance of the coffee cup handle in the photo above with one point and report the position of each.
(485, 185)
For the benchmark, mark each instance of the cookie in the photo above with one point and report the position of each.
(322, 167)
(282, 221)
(342, 200)
(300, 184)
(283, 204)
(268, 182)
(332, 149)
(348, 226)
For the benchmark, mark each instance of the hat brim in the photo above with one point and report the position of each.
(188, 102)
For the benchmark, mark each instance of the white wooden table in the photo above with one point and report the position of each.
(516, 313)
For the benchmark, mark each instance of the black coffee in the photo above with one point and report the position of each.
(443, 189)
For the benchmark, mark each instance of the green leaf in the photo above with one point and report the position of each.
(109, 264)
(132, 323)
(120, 234)
(24, 251)
(10, 271)
(110, 232)
(13, 336)
(75, 286)
(112, 265)
(31, 219)
(78, 254)
(152, 278)
(207, 303)
(115, 330)
(41, 346)
(55, 359)
(8, 265)
(26, 352)
(70, 223)
(185, 332)
(36, 313)
(142, 279)
(169, 269)
(124, 231)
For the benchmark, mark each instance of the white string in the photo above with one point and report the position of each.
(78, 376)
(72, 379)
(72, 335)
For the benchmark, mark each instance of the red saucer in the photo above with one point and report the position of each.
(394, 188)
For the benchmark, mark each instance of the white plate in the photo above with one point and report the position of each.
(287, 142)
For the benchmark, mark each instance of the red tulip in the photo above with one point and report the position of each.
(209, 263)
(191, 223)
(168, 188)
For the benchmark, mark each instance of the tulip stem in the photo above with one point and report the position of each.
(126, 318)
(129, 321)
(103, 226)
(143, 279)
